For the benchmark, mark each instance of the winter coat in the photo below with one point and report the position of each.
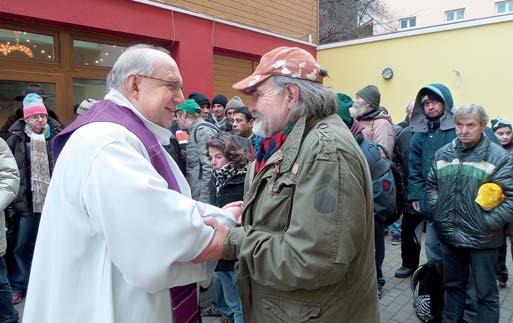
(452, 186)
(9, 184)
(378, 127)
(428, 137)
(198, 166)
(306, 246)
(401, 159)
(231, 191)
(18, 141)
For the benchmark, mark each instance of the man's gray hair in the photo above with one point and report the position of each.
(471, 109)
(137, 59)
(315, 100)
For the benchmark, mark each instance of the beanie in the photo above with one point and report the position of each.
(220, 99)
(371, 95)
(234, 103)
(33, 104)
(200, 99)
(189, 106)
(500, 123)
(344, 102)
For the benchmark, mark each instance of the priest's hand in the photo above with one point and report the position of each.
(214, 250)
(235, 208)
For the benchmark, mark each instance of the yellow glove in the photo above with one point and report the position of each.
(489, 196)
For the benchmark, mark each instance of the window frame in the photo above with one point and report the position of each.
(408, 21)
(508, 7)
(454, 13)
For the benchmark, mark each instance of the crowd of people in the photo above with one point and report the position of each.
(277, 207)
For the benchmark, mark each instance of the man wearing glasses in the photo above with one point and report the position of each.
(29, 140)
(119, 230)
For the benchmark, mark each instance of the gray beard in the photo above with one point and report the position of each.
(357, 110)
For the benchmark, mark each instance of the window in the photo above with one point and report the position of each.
(87, 53)
(454, 15)
(88, 89)
(24, 45)
(13, 92)
(408, 23)
(504, 7)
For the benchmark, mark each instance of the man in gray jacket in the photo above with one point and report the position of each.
(198, 167)
(9, 184)
(470, 233)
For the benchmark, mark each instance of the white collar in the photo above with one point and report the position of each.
(162, 134)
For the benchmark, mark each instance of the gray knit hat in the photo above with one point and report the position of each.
(234, 103)
(371, 95)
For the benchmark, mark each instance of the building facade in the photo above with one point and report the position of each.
(470, 57)
(407, 14)
(68, 47)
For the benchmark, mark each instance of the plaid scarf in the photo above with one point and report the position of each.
(270, 145)
(39, 167)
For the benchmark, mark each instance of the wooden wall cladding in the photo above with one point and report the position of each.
(228, 71)
(293, 18)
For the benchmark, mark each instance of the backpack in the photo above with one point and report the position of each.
(384, 176)
(428, 293)
(202, 125)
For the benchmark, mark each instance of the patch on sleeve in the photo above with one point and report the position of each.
(325, 200)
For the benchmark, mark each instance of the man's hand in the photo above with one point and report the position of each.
(214, 250)
(235, 208)
(416, 205)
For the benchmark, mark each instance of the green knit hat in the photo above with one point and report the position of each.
(344, 103)
(189, 106)
(371, 95)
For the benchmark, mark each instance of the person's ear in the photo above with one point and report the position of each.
(132, 86)
(291, 95)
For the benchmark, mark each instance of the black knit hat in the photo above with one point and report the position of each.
(200, 99)
(220, 99)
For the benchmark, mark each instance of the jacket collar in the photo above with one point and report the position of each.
(476, 153)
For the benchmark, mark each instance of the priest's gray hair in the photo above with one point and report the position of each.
(137, 59)
(315, 100)
(471, 109)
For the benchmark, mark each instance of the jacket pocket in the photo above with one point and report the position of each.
(273, 208)
(282, 310)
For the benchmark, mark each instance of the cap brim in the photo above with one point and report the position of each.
(249, 82)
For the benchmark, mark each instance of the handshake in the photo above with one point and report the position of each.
(221, 225)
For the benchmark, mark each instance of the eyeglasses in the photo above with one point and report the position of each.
(173, 85)
(36, 117)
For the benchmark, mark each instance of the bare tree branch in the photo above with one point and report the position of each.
(349, 19)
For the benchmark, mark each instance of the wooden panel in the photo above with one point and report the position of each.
(294, 18)
(229, 70)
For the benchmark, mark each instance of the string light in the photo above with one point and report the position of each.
(7, 48)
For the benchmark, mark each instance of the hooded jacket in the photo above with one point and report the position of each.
(428, 137)
(452, 187)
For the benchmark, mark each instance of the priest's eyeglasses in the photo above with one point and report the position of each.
(173, 85)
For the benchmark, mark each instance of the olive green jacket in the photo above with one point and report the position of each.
(306, 246)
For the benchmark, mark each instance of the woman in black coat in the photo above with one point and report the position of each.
(229, 164)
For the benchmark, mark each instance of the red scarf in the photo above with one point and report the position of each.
(268, 147)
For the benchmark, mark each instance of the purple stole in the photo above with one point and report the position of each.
(183, 298)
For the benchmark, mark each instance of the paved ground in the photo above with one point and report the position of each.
(396, 303)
